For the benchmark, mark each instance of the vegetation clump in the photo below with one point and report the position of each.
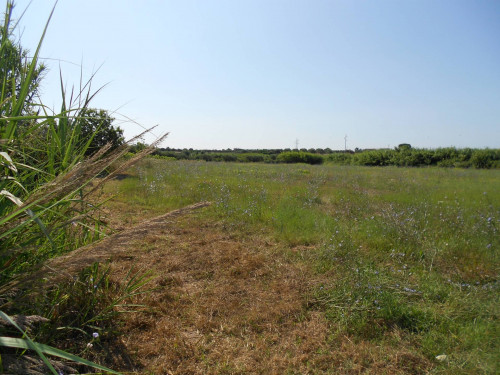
(299, 157)
(49, 163)
(402, 156)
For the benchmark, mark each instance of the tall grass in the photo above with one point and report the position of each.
(46, 184)
(37, 151)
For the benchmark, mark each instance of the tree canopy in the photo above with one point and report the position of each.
(98, 123)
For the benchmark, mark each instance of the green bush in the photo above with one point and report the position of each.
(374, 158)
(484, 158)
(412, 157)
(342, 158)
(253, 158)
(299, 157)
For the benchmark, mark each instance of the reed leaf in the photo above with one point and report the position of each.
(12, 342)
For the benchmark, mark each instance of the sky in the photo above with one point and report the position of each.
(272, 73)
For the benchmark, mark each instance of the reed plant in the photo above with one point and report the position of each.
(47, 184)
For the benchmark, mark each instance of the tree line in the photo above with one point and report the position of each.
(404, 156)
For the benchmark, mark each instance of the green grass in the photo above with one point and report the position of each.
(394, 249)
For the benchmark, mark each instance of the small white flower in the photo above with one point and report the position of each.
(95, 334)
(89, 345)
(442, 357)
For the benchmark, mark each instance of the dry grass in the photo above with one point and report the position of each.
(226, 303)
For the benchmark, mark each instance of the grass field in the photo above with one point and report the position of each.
(398, 265)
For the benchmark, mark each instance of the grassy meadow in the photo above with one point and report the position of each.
(400, 257)
(293, 268)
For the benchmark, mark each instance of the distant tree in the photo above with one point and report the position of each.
(139, 146)
(99, 124)
(403, 146)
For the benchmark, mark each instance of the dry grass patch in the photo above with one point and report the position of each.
(231, 304)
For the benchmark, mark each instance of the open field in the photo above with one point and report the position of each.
(214, 268)
(304, 269)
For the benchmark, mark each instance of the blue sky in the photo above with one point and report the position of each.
(261, 74)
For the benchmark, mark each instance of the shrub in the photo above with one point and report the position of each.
(342, 158)
(299, 157)
(374, 158)
(251, 158)
(484, 158)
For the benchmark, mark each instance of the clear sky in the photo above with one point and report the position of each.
(263, 73)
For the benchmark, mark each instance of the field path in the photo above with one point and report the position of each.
(221, 303)
(224, 302)
(113, 245)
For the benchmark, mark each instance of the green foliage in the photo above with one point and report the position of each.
(403, 146)
(99, 301)
(253, 157)
(48, 206)
(299, 157)
(138, 147)
(43, 208)
(405, 156)
(42, 349)
(373, 158)
(341, 158)
(97, 125)
(15, 67)
(485, 158)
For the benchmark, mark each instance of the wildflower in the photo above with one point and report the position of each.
(95, 335)
(89, 345)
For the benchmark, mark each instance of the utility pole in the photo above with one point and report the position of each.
(345, 143)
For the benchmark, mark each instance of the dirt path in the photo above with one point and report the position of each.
(223, 305)
(226, 304)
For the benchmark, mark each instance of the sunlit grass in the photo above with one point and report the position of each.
(394, 249)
